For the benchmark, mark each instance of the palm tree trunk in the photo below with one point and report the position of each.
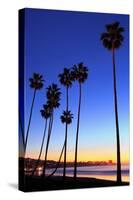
(22, 131)
(58, 161)
(116, 120)
(38, 160)
(65, 150)
(77, 133)
(31, 110)
(47, 145)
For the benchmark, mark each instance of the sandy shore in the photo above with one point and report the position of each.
(57, 183)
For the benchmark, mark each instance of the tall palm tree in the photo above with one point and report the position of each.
(36, 83)
(22, 130)
(65, 118)
(53, 99)
(45, 113)
(66, 80)
(80, 74)
(112, 39)
(21, 97)
(58, 163)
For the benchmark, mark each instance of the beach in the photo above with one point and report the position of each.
(56, 183)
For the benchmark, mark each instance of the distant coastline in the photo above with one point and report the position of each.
(30, 162)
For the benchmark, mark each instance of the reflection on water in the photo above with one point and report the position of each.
(107, 172)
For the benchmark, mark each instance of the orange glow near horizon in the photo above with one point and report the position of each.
(84, 156)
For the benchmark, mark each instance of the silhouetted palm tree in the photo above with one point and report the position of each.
(112, 39)
(36, 83)
(67, 117)
(80, 74)
(45, 113)
(22, 131)
(53, 99)
(58, 163)
(66, 80)
(21, 97)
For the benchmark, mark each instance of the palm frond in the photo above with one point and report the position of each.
(113, 37)
(36, 81)
(53, 95)
(80, 72)
(67, 117)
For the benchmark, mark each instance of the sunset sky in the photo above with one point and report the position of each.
(58, 39)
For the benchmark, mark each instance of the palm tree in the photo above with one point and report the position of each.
(112, 39)
(65, 118)
(22, 130)
(21, 97)
(45, 113)
(36, 83)
(80, 74)
(58, 163)
(53, 99)
(66, 80)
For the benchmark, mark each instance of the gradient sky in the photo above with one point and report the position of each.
(58, 39)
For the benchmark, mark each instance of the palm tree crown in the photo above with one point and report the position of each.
(53, 96)
(36, 82)
(46, 111)
(79, 72)
(66, 77)
(113, 37)
(67, 117)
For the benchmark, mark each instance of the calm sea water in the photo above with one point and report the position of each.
(107, 172)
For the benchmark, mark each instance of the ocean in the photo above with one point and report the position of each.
(106, 172)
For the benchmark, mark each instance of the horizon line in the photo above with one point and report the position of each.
(107, 161)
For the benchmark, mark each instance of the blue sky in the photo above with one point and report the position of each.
(58, 39)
